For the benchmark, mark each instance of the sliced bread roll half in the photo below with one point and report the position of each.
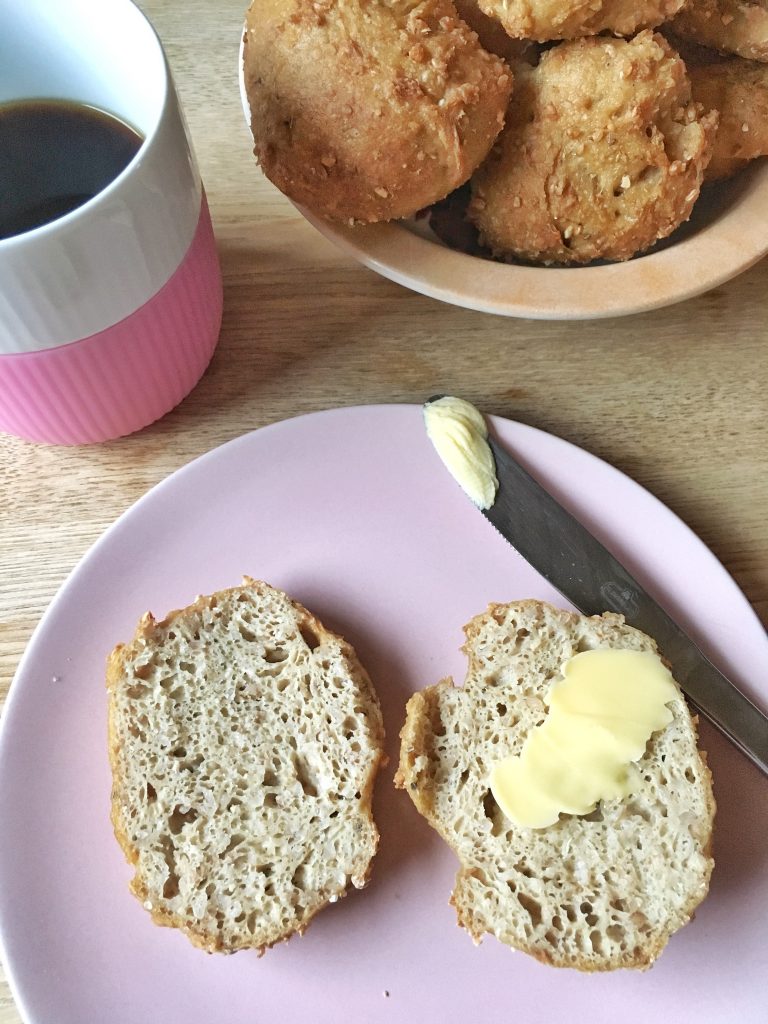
(593, 892)
(244, 740)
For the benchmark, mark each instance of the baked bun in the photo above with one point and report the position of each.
(369, 112)
(603, 154)
(593, 892)
(244, 740)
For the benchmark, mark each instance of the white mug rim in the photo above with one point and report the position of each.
(42, 231)
(84, 272)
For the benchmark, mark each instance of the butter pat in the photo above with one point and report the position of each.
(601, 715)
(458, 432)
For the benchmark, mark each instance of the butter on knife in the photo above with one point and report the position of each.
(458, 431)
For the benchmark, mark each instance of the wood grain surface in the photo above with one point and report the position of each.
(675, 398)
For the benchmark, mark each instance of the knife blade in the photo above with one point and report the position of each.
(566, 554)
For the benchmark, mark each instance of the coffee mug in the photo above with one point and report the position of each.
(109, 313)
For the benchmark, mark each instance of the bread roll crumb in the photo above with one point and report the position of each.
(244, 740)
(595, 892)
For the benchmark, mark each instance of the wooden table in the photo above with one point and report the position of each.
(675, 398)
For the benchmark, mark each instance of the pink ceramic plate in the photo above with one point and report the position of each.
(352, 512)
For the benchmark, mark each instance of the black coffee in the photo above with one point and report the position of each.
(55, 156)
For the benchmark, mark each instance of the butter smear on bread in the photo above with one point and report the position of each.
(601, 715)
(459, 434)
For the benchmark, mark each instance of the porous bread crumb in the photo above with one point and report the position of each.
(244, 743)
(594, 892)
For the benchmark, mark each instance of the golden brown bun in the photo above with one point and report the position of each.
(492, 35)
(731, 26)
(369, 112)
(545, 20)
(738, 90)
(603, 154)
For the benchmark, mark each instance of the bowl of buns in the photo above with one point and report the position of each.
(537, 160)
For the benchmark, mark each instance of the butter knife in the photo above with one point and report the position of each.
(567, 555)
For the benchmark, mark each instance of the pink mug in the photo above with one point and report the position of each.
(110, 313)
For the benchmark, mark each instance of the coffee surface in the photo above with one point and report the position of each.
(54, 156)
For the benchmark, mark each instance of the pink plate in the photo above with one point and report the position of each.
(352, 512)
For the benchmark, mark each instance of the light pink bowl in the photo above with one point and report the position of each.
(725, 236)
(129, 375)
